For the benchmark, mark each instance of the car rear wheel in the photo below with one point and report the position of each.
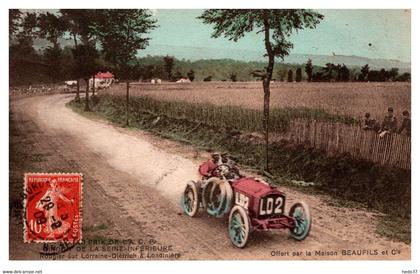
(300, 212)
(190, 200)
(239, 226)
(216, 196)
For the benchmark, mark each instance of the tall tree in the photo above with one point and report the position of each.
(392, 74)
(25, 64)
(14, 21)
(338, 70)
(298, 75)
(169, 66)
(329, 70)
(122, 33)
(281, 75)
(85, 59)
(177, 75)
(191, 75)
(382, 75)
(405, 77)
(364, 72)
(53, 57)
(276, 26)
(309, 69)
(27, 34)
(345, 73)
(233, 77)
(290, 76)
(51, 27)
(22, 32)
(82, 26)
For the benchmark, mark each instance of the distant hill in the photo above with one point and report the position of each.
(197, 53)
(200, 53)
(351, 61)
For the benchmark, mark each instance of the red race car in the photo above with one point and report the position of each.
(251, 203)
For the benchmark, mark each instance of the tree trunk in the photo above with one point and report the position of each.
(266, 85)
(266, 113)
(75, 40)
(78, 82)
(85, 40)
(87, 108)
(78, 91)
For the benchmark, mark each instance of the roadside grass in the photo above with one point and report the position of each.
(351, 182)
(229, 117)
(394, 227)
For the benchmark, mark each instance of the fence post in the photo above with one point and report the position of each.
(87, 108)
(127, 123)
(392, 150)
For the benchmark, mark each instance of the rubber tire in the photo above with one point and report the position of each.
(196, 202)
(229, 198)
(210, 182)
(246, 225)
(307, 229)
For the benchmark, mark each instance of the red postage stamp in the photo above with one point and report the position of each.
(52, 207)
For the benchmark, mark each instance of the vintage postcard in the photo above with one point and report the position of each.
(210, 134)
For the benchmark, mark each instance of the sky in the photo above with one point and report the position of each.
(368, 33)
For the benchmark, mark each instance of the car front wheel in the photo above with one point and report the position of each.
(239, 226)
(300, 212)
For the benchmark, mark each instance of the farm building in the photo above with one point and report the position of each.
(184, 80)
(102, 80)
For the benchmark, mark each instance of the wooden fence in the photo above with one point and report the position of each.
(336, 138)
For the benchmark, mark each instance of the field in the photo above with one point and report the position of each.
(350, 99)
(324, 116)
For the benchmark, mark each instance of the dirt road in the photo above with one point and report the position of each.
(132, 186)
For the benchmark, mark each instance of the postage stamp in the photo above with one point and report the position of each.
(52, 207)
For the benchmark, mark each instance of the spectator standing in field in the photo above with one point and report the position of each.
(406, 124)
(370, 123)
(389, 124)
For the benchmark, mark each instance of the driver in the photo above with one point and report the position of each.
(218, 160)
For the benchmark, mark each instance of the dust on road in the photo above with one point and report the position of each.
(133, 182)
